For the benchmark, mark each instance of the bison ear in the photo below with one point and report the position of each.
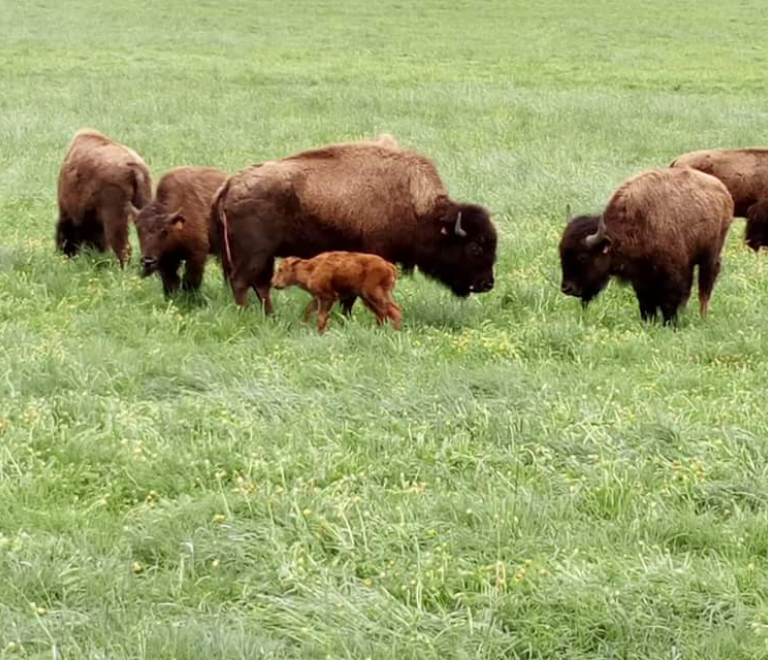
(176, 219)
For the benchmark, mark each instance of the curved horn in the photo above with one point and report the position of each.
(133, 209)
(457, 228)
(593, 239)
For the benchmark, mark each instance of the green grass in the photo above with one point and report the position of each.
(508, 477)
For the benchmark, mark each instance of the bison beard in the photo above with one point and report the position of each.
(657, 227)
(357, 197)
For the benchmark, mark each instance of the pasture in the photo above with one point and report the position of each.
(509, 476)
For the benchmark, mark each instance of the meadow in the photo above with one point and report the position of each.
(508, 477)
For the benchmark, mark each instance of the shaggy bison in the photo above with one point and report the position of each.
(745, 173)
(657, 226)
(175, 226)
(334, 276)
(100, 182)
(361, 197)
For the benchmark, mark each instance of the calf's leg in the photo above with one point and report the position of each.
(310, 309)
(322, 317)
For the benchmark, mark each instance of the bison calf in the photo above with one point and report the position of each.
(100, 182)
(334, 276)
(657, 226)
(175, 227)
(745, 173)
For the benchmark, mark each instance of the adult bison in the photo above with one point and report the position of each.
(745, 173)
(359, 197)
(657, 226)
(175, 226)
(100, 182)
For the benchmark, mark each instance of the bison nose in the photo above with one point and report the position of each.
(568, 289)
(149, 263)
(485, 285)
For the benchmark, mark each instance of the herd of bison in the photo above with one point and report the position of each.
(340, 217)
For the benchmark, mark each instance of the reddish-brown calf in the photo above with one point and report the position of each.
(332, 276)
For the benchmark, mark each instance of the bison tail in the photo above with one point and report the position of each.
(219, 229)
(142, 187)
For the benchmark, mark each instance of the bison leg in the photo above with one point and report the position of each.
(240, 291)
(708, 272)
(310, 309)
(322, 316)
(116, 233)
(193, 274)
(347, 303)
(67, 237)
(676, 289)
(170, 277)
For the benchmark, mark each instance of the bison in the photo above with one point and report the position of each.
(366, 196)
(175, 227)
(333, 276)
(745, 173)
(657, 226)
(100, 182)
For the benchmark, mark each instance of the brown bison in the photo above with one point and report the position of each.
(334, 276)
(175, 226)
(745, 173)
(100, 182)
(657, 226)
(360, 197)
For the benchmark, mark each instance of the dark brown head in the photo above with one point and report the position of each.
(464, 252)
(756, 231)
(160, 234)
(285, 275)
(585, 256)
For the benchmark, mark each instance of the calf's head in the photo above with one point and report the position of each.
(465, 252)
(160, 233)
(585, 257)
(286, 274)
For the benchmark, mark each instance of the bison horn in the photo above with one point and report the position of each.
(568, 215)
(134, 210)
(593, 239)
(457, 228)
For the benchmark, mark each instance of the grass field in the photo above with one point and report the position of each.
(508, 477)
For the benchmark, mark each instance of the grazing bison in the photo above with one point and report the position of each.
(657, 226)
(359, 197)
(334, 276)
(175, 226)
(100, 182)
(745, 173)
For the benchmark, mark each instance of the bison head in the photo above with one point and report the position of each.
(465, 251)
(585, 256)
(159, 234)
(285, 275)
(756, 231)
